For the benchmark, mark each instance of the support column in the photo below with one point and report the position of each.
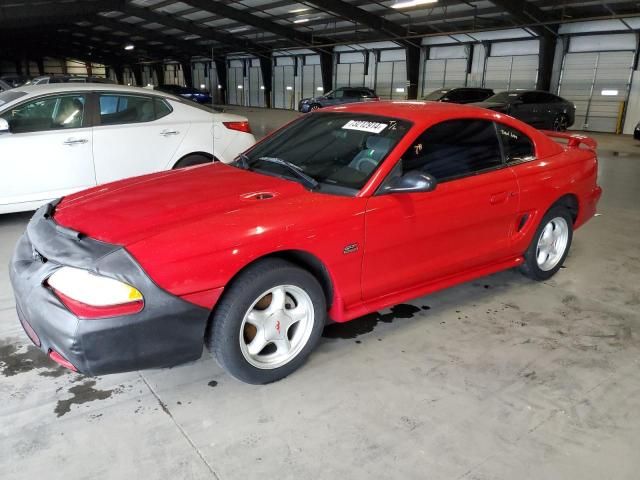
(136, 68)
(158, 69)
(119, 71)
(326, 70)
(266, 67)
(413, 71)
(40, 63)
(221, 69)
(187, 72)
(545, 62)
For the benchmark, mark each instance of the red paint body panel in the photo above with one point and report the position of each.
(194, 229)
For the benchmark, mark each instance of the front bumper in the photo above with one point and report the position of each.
(304, 107)
(168, 330)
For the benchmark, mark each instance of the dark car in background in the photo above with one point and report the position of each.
(192, 94)
(459, 95)
(4, 86)
(636, 132)
(537, 108)
(337, 97)
(15, 80)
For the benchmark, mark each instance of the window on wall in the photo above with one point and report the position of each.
(454, 149)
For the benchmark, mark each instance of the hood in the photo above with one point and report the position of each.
(131, 210)
(313, 99)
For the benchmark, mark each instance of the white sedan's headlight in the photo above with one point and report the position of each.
(94, 296)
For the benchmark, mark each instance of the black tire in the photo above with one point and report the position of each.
(314, 107)
(223, 336)
(530, 267)
(191, 160)
(560, 123)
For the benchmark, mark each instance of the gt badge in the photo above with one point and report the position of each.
(350, 248)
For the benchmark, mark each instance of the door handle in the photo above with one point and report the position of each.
(166, 133)
(75, 141)
(499, 197)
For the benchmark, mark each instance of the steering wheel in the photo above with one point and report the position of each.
(365, 165)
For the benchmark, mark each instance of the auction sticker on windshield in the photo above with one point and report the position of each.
(365, 126)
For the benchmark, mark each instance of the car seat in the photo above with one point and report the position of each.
(368, 159)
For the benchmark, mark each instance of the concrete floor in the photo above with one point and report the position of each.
(501, 378)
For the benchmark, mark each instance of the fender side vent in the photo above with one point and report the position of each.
(523, 221)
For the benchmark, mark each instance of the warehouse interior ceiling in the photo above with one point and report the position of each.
(161, 30)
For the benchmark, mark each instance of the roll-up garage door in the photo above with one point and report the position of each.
(235, 83)
(444, 72)
(350, 70)
(391, 74)
(597, 83)
(311, 81)
(511, 72)
(256, 86)
(284, 87)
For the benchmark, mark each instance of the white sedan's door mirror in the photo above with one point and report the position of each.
(4, 126)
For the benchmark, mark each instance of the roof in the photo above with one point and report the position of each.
(45, 89)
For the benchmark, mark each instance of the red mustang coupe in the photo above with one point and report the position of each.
(338, 214)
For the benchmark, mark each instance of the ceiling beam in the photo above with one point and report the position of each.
(526, 12)
(358, 15)
(207, 33)
(297, 37)
(183, 47)
(25, 14)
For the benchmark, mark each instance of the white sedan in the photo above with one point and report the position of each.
(60, 138)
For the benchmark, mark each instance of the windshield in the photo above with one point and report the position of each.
(436, 95)
(10, 96)
(340, 151)
(504, 97)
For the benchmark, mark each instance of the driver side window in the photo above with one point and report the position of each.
(454, 149)
(48, 113)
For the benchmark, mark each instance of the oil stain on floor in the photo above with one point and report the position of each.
(83, 393)
(367, 323)
(15, 359)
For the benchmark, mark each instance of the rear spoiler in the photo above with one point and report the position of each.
(574, 140)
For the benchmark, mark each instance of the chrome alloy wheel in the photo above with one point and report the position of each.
(560, 123)
(552, 243)
(276, 327)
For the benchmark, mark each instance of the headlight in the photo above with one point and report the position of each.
(89, 295)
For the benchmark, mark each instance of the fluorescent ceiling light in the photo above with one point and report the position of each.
(609, 93)
(320, 89)
(129, 47)
(411, 3)
(238, 29)
(299, 10)
(301, 20)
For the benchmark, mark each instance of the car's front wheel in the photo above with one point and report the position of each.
(550, 244)
(268, 322)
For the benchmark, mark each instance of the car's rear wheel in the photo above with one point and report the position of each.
(315, 106)
(268, 322)
(191, 160)
(550, 245)
(560, 123)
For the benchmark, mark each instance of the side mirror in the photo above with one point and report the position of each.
(4, 126)
(412, 182)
